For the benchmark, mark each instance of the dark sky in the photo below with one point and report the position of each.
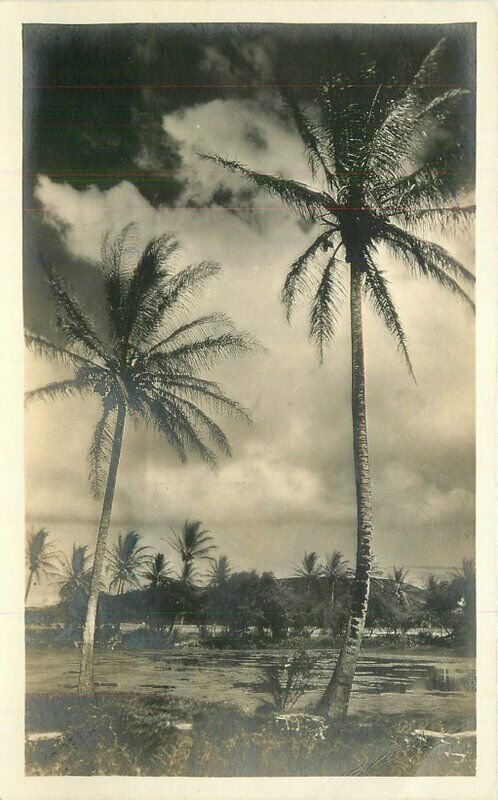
(97, 158)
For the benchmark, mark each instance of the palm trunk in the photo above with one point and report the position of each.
(28, 587)
(335, 700)
(86, 684)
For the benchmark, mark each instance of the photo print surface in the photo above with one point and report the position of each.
(249, 427)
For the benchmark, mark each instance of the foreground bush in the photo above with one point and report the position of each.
(126, 734)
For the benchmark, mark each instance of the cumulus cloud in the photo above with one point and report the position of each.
(290, 484)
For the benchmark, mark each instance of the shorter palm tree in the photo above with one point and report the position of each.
(74, 575)
(335, 568)
(219, 571)
(41, 556)
(310, 569)
(126, 561)
(397, 580)
(157, 571)
(193, 544)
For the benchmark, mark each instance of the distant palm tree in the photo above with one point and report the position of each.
(219, 572)
(40, 556)
(126, 559)
(397, 580)
(74, 575)
(463, 583)
(310, 569)
(157, 571)
(146, 367)
(335, 568)
(192, 545)
(385, 175)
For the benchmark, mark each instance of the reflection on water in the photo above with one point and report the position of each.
(235, 675)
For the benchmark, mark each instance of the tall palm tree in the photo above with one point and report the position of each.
(379, 177)
(73, 575)
(335, 568)
(157, 571)
(192, 545)
(40, 556)
(219, 572)
(126, 559)
(144, 366)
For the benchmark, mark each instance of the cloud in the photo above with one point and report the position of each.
(290, 485)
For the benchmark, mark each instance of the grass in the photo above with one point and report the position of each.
(134, 734)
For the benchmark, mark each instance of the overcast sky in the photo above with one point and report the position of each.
(289, 486)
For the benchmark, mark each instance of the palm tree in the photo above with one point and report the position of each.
(335, 568)
(310, 569)
(397, 579)
(193, 544)
(463, 586)
(74, 574)
(157, 571)
(40, 556)
(126, 559)
(219, 572)
(145, 367)
(383, 178)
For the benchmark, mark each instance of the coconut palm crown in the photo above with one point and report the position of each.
(40, 556)
(157, 571)
(126, 559)
(74, 574)
(377, 183)
(144, 365)
(193, 544)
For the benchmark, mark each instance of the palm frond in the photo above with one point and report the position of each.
(200, 326)
(442, 217)
(157, 417)
(326, 305)
(424, 260)
(58, 390)
(209, 391)
(143, 303)
(297, 281)
(185, 428)
(203, 353)
(200, 418)
(72, 320)
(377, 289)
(299, 197)
(54, 352)
(437, 181)
(100, 448)
(185, 285)
(312, 138)
(428, 72)
(429, 252)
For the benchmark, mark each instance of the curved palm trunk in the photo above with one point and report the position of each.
(28, 587)
(335, 699)
(86, 684)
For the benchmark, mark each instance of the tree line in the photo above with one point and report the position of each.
(230, 606)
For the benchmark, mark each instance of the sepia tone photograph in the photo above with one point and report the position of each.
(250, 484)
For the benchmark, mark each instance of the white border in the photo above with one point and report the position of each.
(13, 784)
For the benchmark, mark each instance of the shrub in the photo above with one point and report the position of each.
(287, 682)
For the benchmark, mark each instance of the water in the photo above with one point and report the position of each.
(383, 683)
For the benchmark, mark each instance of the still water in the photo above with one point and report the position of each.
(383, 683)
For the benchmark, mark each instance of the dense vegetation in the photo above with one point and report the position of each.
(232, 608)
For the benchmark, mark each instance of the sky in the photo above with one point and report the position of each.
(98, 158)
